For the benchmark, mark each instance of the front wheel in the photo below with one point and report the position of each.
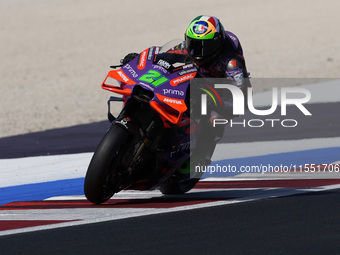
(104, 175)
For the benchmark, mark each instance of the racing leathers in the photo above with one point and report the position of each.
(230, 64)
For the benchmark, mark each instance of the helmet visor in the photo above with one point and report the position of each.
(199, 49)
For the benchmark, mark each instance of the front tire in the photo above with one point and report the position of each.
(104, 176)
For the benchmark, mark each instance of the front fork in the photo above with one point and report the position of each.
(144, 123)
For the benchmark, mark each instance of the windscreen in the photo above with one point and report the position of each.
(173, 55)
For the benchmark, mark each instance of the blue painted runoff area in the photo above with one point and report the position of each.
(41, 191)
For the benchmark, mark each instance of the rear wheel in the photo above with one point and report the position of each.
(105, 175)
(183, 180)
(176, 185)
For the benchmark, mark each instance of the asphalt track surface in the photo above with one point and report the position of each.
(299, 224)
(306, 223)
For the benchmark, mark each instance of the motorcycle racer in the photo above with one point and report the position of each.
(165, 129)
(216, 53)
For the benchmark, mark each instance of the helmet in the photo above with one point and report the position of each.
(204, 39)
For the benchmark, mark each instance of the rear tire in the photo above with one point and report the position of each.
(102, 178)
(178, 186)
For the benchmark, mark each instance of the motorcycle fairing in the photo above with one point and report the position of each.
(159, 73)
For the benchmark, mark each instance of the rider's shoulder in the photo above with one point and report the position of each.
(233, 42)
(231, 36)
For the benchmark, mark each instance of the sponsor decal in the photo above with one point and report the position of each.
(172, 101)
(150, 53)
(188, 66)
(146, 85)
(142, 59)
(173, 92)
(187, 71)
(181, 79)
(200, 27)
(117, 75)
(164, 63)
(123, 76)
(239, 79)
(160, 68)
(232, 37)
(178, 104)
(131, 71)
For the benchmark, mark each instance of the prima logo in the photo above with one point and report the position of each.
(239, 104)
(173, 92)
(131, 71)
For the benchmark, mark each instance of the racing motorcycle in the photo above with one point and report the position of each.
(150, 139)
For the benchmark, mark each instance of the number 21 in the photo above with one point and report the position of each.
(153, 77)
